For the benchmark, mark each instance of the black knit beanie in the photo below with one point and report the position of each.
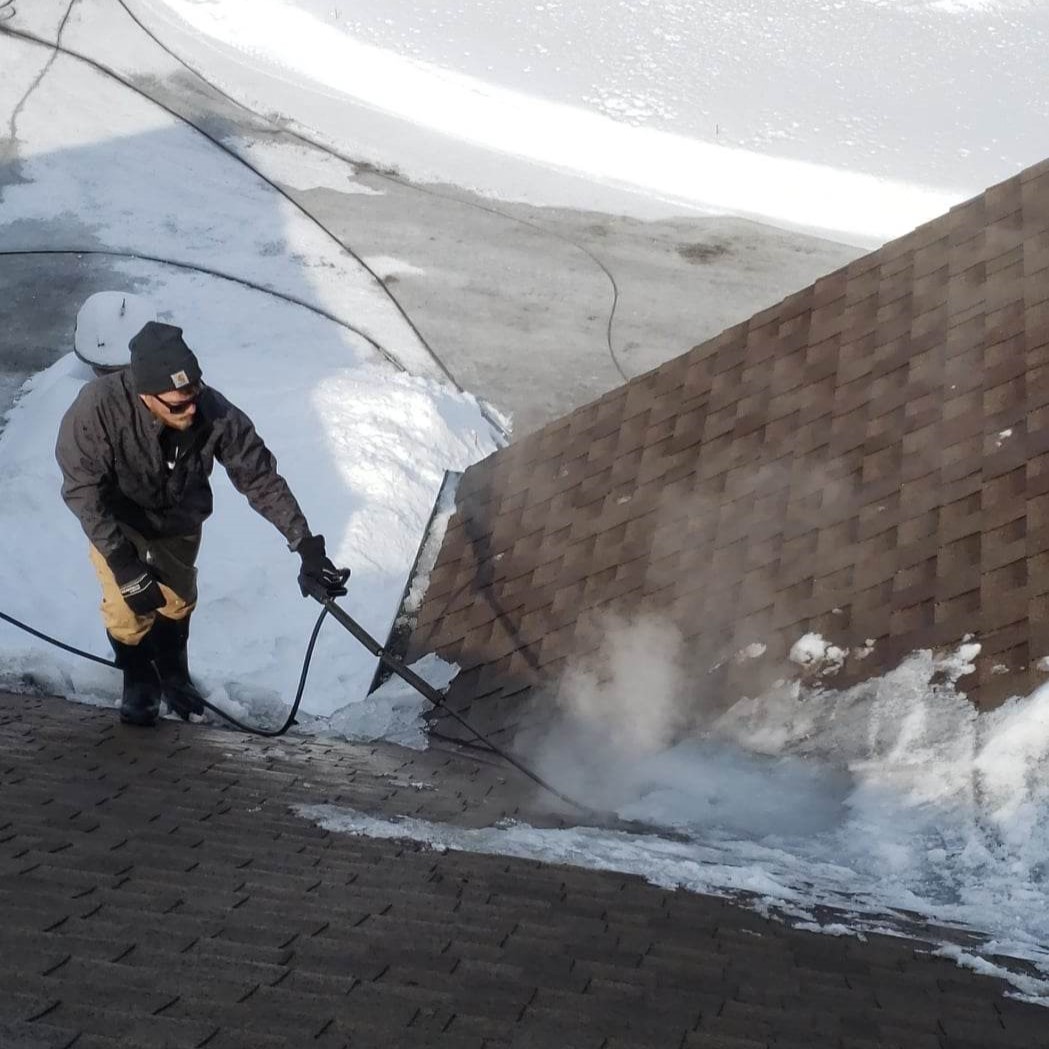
(161, 361)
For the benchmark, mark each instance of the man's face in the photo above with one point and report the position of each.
(177, 409)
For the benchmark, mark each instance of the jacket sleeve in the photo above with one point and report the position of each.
(252, 468)
(85, 458)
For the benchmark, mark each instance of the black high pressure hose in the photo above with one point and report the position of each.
(255, 730)
(423, 687)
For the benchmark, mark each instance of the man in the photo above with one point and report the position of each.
(136, 449)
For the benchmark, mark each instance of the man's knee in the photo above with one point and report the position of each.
(128, 629)
(175, 607)
(120, 621)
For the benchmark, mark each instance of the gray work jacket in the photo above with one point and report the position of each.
(115, 472)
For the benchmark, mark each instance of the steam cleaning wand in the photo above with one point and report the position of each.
(319, 593)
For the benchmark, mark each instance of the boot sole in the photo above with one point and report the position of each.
(141, 719)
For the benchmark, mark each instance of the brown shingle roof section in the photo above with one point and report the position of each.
(868, 459)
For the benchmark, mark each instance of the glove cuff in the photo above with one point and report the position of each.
(124, 563)
(311, 548)
(138, 584)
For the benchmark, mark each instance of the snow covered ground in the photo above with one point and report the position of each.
(942, 93)
(364, 448)
(857, 119)
(893, 796)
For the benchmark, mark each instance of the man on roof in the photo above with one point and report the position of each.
(136, 449)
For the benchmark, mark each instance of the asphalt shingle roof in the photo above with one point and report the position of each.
(157, 890)
(868, 459)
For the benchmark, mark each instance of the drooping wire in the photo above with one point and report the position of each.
(210, 271)
(54, 641)
(252, 729)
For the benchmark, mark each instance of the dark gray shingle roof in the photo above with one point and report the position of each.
(156, 890)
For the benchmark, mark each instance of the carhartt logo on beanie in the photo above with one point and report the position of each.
(161, 361)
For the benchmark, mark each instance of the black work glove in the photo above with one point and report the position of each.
(318, 577)
(138, 586)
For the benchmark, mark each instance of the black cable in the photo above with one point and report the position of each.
(209, 272)
(290, 720)
(608, 820)
(329, 151)
(422, 686)
(252, 729)
(7, 10)
(39, 78)
(106, 70)
(54, 641)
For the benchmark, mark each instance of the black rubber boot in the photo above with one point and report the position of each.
(140, 701)
(168, 639)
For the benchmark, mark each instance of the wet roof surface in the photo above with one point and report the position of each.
(158, 890)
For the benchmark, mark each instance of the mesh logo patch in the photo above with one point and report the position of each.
(180, 379)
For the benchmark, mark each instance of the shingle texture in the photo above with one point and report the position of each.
(868, 459)
(156, 891)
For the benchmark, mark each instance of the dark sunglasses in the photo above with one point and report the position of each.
(181, 406)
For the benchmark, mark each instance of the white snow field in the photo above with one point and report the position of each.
(862, 117)
(857, 119)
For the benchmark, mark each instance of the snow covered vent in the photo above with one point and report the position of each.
(105, 325)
